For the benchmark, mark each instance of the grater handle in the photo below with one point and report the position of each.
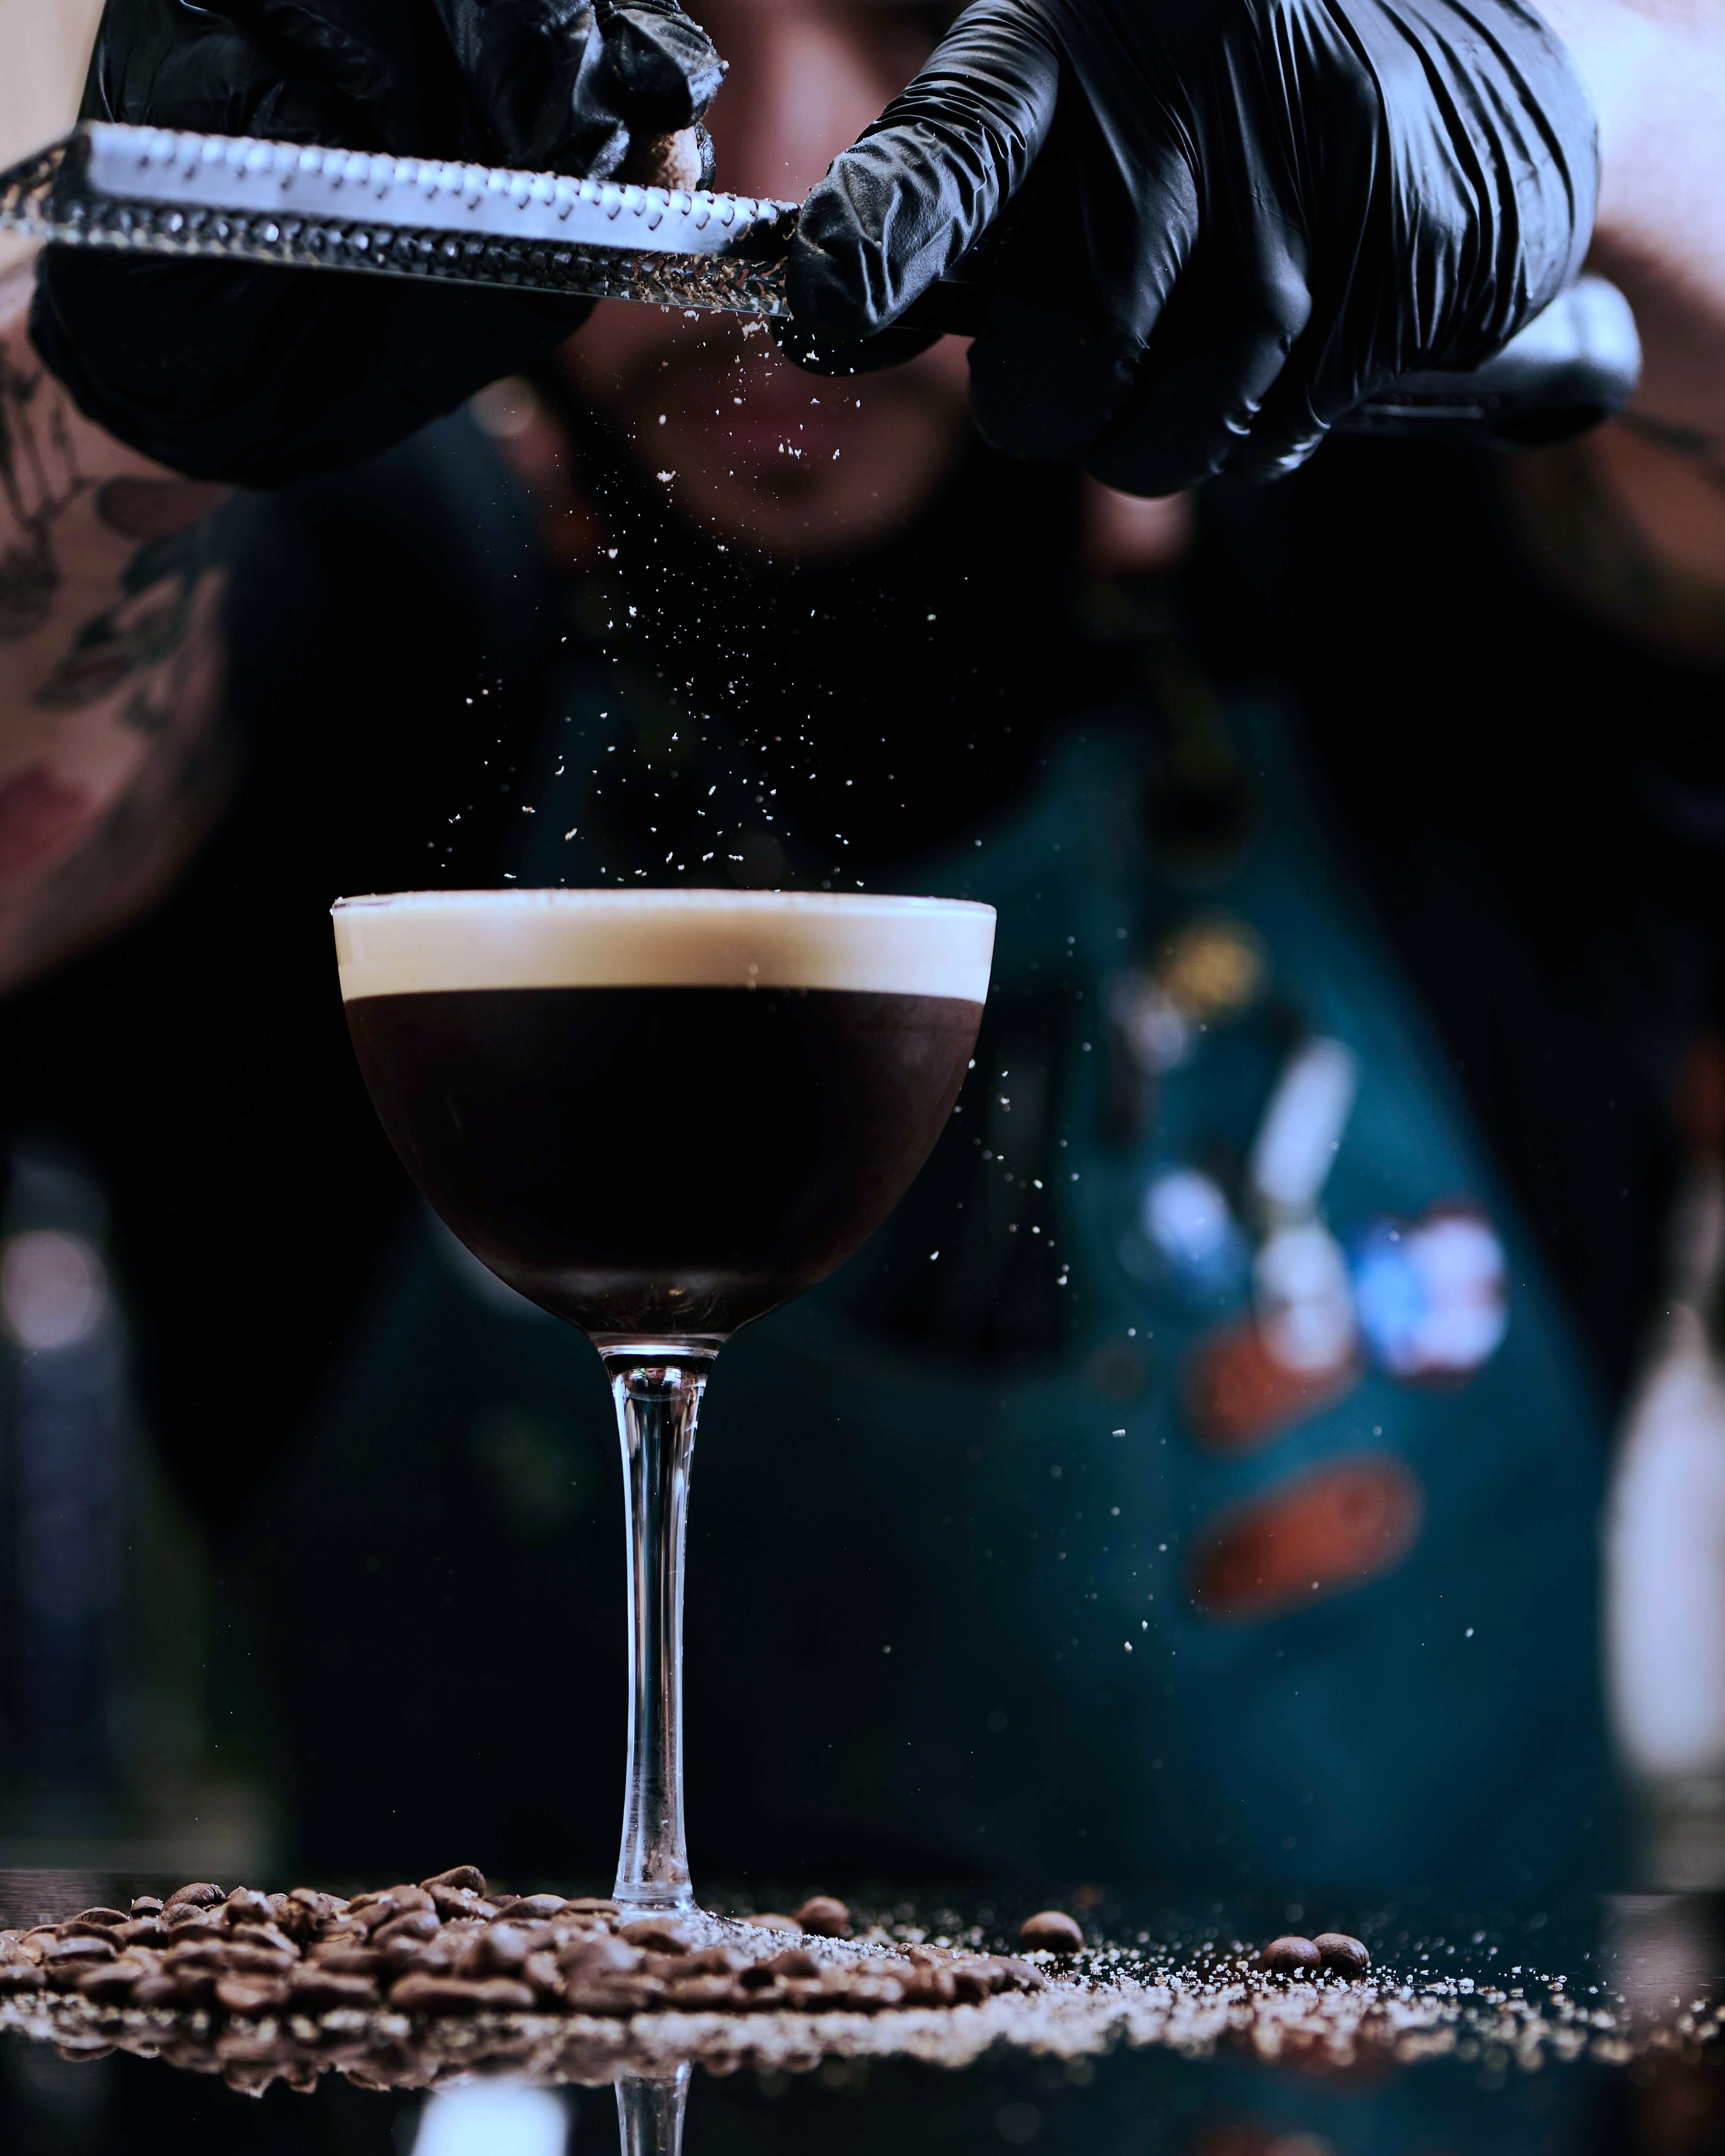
(1571, 367)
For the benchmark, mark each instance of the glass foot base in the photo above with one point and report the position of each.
(657, 1900)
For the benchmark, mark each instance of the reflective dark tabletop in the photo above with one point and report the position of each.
(1591, 2028)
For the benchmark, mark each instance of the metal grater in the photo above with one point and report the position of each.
(231, 197)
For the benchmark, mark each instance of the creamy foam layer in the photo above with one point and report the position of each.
(416, 941)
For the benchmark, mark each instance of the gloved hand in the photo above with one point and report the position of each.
(257, 375)
(1208, 228)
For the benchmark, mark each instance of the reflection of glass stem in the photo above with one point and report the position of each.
(658, 1391)
(649, 2114)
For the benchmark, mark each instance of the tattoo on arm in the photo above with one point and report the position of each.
(114, 755)
(39, 480)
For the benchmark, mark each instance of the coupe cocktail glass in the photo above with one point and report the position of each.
(657, 1115)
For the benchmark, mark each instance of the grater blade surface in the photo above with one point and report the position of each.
(229, 198)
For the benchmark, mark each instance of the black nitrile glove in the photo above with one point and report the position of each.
(257, 375)
(1208, 228)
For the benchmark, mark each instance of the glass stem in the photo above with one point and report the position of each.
(657, 1389)
(649, 2113)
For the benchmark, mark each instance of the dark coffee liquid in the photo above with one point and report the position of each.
(657, 1161)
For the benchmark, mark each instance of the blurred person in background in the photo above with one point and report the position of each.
(1196, 1480)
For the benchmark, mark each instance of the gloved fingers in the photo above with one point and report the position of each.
(531, 73)
(1079, 272)
(388, 63)
(1222, 342)
(897, 210)
(1295, 422)
(212, 73)
(190, 399)
(552, 87)
(1045, 380)
(667, 68)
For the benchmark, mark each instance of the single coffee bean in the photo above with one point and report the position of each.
(201, 1894)
(386, 1909)
(268, 1937)
(531, 1906)
(1291, 1956)
(418, 1958)
(1341, 1954)
(1052, 1930)
(244, 1959)
(458, 1902)
(599, 1959)
(142, 1931)
(313, 1990)
(250, 1994)
(588, 1905)
(465, 1878)
(697, 1993)
(341, 1959)
(146, 1904)
(825, 1917)
(109, 1983)
(156, 1990)
(794, 1961)
(81, 1928)
(663, 1933)
(197, 1953)
(462, 1994)
(19, 1976)
(341, 1931)
(612, 1994)
(565, 1926)
(100, 1916)
(715, 1961)
(188, 1917)
(317, 1901)
(415, 1924)
(246, 1905)
(499, 1949)
(971, 1986)
(92, 1945)
(541, 1971)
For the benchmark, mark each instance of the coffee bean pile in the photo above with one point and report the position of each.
(1330, 1954)
(447, 1947)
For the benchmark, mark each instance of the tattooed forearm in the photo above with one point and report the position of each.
(112, 759)
(38, 481)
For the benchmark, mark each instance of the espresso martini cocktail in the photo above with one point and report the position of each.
(659, 1114)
